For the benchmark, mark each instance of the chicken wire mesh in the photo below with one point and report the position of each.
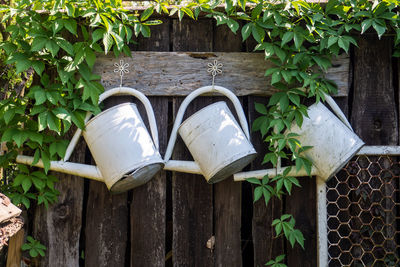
(364, 213)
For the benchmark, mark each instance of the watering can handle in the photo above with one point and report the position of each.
(202, 90)
(119, 91)
(331, 102)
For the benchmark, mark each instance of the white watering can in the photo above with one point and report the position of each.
(219, 146)
(334, 143)
(121, 146)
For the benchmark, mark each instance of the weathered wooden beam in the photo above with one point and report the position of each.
(179, 73)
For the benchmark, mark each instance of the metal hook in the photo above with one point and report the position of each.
(214, 69)
(122, 68)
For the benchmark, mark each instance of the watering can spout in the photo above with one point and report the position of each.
(88, 171)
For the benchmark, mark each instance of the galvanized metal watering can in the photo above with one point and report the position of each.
(125, 154)
(219, 146)
(334, 142)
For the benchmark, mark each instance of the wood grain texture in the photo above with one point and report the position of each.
(192, 207)
(148, 203)
(59, 227)
(302, 205)
(227, 193)
(266, 246)
(14, 256)
(374, 115)
(107, 220)
(159, 39)
(147, 213)
(191, 195)
(179, 73)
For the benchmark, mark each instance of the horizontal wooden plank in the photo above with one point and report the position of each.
(179, 73)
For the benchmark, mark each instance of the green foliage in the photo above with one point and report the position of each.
(278, 262)
(57, 41)
(34, 247)
(285, 225)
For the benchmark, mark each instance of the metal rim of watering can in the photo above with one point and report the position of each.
(134, 179)
(243, 159)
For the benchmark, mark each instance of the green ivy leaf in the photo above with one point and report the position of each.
(52, 47)
(246, 31)
(287, 37)
(71, 26)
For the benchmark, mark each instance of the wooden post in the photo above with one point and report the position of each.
(266, 246)
(227, 193)
(14, 249)
(192, 196)
(59, 227)
(148, 208)
(106, 232)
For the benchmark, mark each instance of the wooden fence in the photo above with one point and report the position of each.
(178, 219)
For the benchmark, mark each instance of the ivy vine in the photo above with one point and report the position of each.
(53, 45)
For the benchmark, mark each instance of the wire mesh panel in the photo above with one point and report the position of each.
(363, 213)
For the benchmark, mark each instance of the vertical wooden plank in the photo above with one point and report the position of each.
(149, 204)
(266, 246)
(227, 193)
(59, 227)
(106, 232)
(374, 111)
(159, 39)
(14, 256)
(192, 197)
(192, 207)
(148, 208)
(302, 205)
(189, 36)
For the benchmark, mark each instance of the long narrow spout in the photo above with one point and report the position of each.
(259, 174)
(182, 166)
(87, 171)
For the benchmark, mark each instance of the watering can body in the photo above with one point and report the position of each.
(121, 146)
(219, 145)
(333, 142)
(125, 154)
(332, 139)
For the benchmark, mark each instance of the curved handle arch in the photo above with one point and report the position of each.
(202, 90)
(119, 91)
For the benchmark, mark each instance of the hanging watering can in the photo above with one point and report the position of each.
(332, 139)
(120, 144)
(219, 146)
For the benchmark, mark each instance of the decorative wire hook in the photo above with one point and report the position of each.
(214, 69)
(122, 69)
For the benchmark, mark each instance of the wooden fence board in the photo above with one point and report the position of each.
(106, 220)
(148, 203)
(148, 206)
(227, 193)
(59, 227)
(302, 205)
(374, 112)
(266, 246)
(179, 73)
(192, 197)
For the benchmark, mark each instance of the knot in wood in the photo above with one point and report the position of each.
(62, 211)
